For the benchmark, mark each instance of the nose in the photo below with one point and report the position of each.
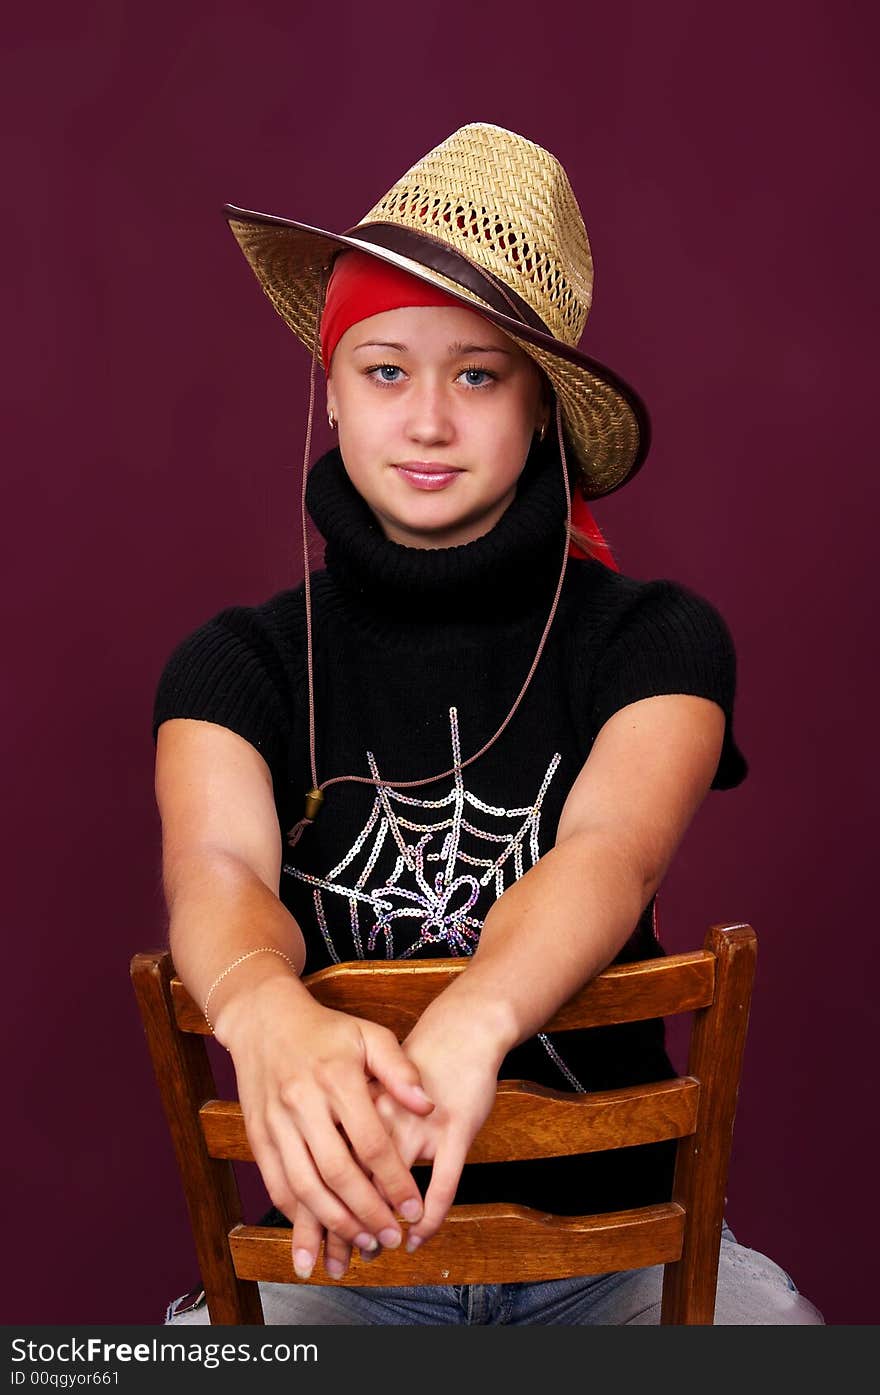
(430, 418)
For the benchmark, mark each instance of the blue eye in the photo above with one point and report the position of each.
(480, 373)
(390, 368)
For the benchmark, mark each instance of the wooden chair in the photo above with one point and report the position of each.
(489, 1243)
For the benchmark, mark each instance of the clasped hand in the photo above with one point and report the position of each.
(461, 1083)
(337, 1111)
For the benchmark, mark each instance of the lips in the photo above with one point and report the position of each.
(423, 467)
(419, 475)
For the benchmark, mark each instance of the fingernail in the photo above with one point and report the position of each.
(303, 1263)
(389, 1238)
(419, 1091)
(411, 1210)
(335, 1268)
(366, 1242)
(412, 1243)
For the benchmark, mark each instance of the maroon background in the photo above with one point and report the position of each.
(157, 407)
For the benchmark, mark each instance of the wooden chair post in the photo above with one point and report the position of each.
(186, 1081)
(715, 1058)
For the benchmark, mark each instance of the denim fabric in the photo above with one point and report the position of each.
(752, 1291)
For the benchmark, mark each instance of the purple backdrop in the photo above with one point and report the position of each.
(157, 409)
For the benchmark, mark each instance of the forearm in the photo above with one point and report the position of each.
(219, 910)
(550, 932)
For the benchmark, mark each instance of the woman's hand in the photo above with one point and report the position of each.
(310, 1116)
(458, 1062)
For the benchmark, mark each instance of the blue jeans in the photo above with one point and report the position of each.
(752, 1291)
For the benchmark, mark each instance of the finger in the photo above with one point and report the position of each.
(388, 1110)
(308, 1234)
(348, 1177)
(440, 1195)
(409, 1161)
(379, 1154)
(275, 1179)
(381, 1191)
(392, 1115)
(337, 1253)
(388, 1062)
(291, 1177)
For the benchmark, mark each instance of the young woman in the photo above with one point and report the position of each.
(514, 737)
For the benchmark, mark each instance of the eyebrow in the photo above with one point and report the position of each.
(454, 349)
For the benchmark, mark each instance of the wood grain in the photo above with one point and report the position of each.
(528, 1121)
(395, 993)
(485, 1245)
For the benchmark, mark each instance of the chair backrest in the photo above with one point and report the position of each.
(492, 1243)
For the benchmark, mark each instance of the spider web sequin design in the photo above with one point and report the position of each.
(442, 909)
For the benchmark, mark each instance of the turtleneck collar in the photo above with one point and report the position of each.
(511, 569)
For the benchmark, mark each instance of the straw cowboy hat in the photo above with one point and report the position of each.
(490, 218)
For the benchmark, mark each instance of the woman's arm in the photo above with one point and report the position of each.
(302, 1069)
(564, 921)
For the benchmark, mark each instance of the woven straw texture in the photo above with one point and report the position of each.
(507, 205)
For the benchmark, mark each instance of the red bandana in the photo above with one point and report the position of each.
(361, 286)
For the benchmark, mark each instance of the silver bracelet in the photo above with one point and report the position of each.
(264, 949)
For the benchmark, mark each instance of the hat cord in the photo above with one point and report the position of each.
(315, 796)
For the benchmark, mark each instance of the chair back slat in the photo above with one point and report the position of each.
(486, 1244)
(528, 1121)
(395, 994)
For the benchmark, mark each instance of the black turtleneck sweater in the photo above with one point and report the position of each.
(419, 655)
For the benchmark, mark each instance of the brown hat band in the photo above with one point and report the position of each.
(438, 256)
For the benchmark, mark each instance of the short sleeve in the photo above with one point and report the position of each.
(228, 672)
(671, 640)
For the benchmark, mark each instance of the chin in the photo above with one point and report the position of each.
(429, 529)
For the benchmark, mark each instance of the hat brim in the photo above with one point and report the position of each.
(606, 422)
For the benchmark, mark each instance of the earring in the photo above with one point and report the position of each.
(332, 420)
(543, 431)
